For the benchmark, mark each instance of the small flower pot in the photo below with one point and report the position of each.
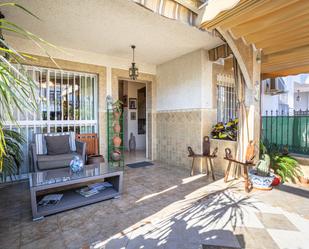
(261, 182)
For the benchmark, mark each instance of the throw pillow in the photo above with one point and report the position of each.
(57, 144)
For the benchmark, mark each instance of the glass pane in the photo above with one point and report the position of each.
(82, 100)
(70, 96)
(77, 93)
(52, 95)
(52, 129)
(92, 93)
(89, 94)
(58, 96)
(64, 96)
(44, 94)
(38, 80)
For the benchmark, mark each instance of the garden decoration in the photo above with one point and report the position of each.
(132, 142)
(260, 176)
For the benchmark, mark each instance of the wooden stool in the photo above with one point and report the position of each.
(250, 154)
(208, 158)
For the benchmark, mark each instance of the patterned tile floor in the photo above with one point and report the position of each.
(164, 208)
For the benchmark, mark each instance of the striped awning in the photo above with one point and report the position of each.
(280, 28)
(185, 11)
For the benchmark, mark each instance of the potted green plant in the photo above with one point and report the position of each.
(260, 176)
(17, 89)
(117, 109)
(226, 131)
(283, 165)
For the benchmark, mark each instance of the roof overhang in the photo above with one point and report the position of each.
(278, 27)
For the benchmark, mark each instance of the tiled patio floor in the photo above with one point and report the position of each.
(163, 208)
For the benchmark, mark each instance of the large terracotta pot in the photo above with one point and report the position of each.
(117, 141)
(117, 128)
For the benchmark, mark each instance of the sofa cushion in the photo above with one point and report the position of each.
(46, 162)
(57, 145)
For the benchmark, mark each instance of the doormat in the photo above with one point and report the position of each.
(139, 165)
(218, 247)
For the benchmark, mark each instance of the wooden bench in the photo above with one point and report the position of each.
(250, 155)
(206, 155)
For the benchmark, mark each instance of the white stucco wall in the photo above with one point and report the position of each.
(179, 82)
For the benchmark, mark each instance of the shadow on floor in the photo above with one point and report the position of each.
(162, 207)
(191, 226)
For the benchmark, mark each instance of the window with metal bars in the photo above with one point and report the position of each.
(226, 98)
(67, 102)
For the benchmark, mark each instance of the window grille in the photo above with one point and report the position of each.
(226, 98)
(68, 102)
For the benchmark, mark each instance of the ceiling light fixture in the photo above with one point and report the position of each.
(133, 70)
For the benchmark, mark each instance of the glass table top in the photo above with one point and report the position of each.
(48, 177)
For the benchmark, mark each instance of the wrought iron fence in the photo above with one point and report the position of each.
(287, 130)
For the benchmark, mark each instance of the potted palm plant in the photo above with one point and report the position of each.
(13, 156)
(17, 89)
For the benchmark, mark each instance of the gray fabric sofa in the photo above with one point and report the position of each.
(42, 161)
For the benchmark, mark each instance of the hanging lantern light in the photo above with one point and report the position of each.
(133, 70)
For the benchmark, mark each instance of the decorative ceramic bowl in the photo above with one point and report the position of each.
(261, 182)
(76, 164)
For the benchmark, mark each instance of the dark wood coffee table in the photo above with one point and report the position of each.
(63, 181)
